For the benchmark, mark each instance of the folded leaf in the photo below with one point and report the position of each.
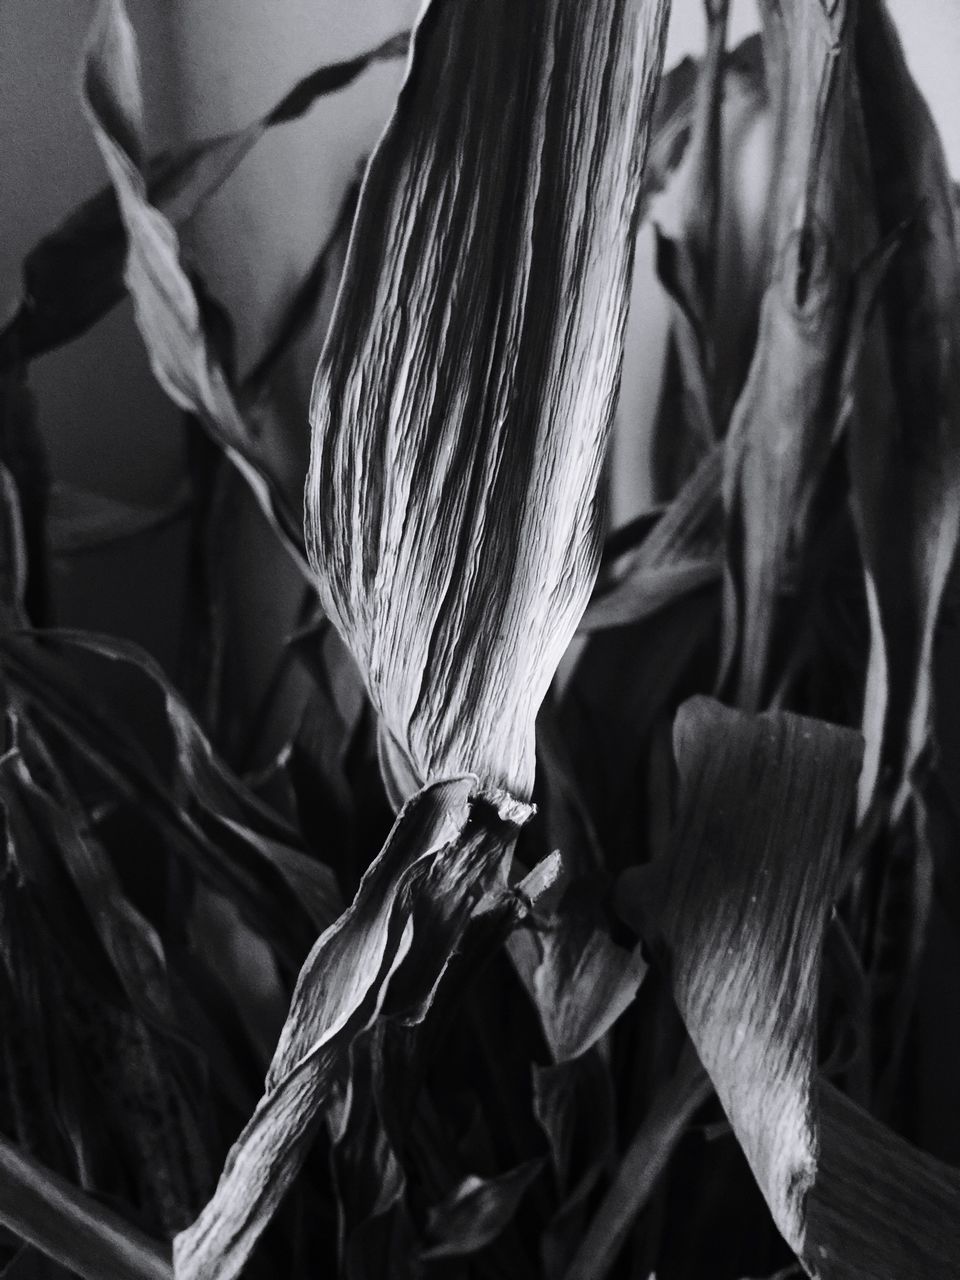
(464, 396)
(784, 422)
(169, 312)
(737, 912)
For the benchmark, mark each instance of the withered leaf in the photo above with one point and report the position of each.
(464, 395)
(447, 846)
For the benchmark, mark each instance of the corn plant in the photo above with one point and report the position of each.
(604, 872)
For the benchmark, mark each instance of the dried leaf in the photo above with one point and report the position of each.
(738, 913)
(472, 368)
(446, 849)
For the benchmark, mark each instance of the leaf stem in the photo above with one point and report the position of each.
(72, 1228)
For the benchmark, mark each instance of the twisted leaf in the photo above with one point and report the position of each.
(447, 847)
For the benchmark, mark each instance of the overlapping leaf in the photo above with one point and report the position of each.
(579, 979)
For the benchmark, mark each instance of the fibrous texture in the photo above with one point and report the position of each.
(462, 404)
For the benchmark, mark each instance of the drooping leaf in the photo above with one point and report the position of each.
(13, 566)
(681, 552)
(128, 940)
(738, 912)
(676, 110)
(301, 310)
(183, 354)
(625, 682)
(687, 263)
(74, 275)
(81, 522)
(120, 1071)
(25, 497)
(465, 392)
